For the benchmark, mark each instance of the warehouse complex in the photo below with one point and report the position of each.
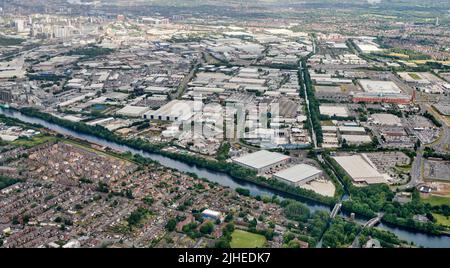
(175, 110)
(380, 91)
(262, 161)
(133, 111)
(360, 169)
(298, 175)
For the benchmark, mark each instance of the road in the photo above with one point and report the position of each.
(442, 143)
(439, 145)
(183, 85)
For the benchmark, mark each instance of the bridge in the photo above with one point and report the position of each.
(374, 221)
(370, 223)
(335, 210)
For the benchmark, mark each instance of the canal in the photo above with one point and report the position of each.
(417, 238)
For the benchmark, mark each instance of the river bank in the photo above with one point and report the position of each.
(418, 238)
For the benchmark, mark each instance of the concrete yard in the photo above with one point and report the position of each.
(322, 187)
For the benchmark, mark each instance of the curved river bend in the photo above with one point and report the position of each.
(418, 238)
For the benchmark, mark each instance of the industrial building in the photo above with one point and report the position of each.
(340, 111)
(356, 139)
(360, 169)
(381, 98)
(374, 86)
(380, 91)
(352, 130)
(386, 119)
(298, 175)
(262, 161)
(176, 110)
(133, 111)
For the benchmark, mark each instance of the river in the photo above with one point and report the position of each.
(418, 238)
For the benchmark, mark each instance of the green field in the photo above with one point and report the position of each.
(34, 141)
(243, 239)
(414, 76)
(437, 200)
(442, 220)
(326, 123)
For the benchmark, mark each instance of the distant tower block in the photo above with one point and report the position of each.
(437, 21)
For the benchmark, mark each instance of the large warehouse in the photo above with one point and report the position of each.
(380, 91)
(298, 175)
(334, 110)
(133, 111)
(386, 119)
(176, 110)
(360, 169)
(374, 86)
(262, 161)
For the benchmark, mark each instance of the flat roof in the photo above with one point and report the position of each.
(133, 110)
(298, 173)
(261, 159)
(176, 108)
(386, 119)
(379, 86)
(360, 168)
(352, 129)
(357, 138)
(334, 110)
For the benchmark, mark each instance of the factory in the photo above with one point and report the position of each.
(386, 120)
(133, 111)
(360, 169)
(298, 175)
(380, 91)
(262, 161)
(175, 110)
(352, 130)
(356, 139)
(339, 111)
(384, 87)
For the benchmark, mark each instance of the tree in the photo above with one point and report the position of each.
(243, 191)
(229, 228)
(207, 228)
(297, 211)
(222, 243)
(228, 217)
(148, 200)
(171, 224)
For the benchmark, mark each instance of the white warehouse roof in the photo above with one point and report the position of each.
(261, 159)
(334, 110)
(133, 111)
(298, 173)
(360, 168)
(176, 110)
(376, 86)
